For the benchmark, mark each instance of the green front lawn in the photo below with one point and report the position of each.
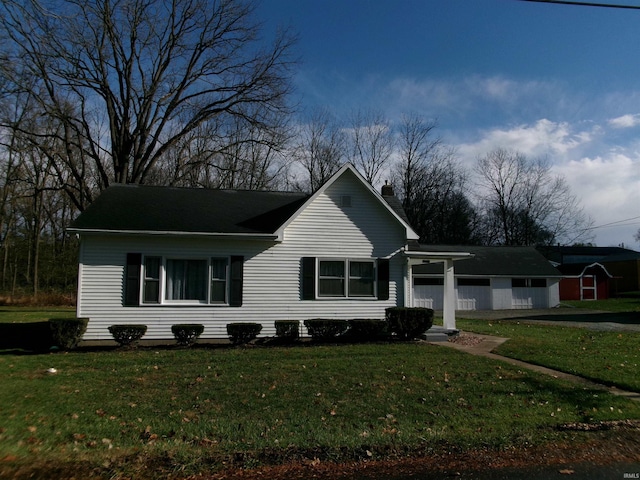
(610, 305)
(612, 358)
(149, 413)
(34, 314)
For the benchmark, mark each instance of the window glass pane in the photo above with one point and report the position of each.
(428, 281)
(359, 287)
(331, 278)
(361, 279)
(151, 287)
(331, 287)
(219, 280)
(518, 282)
(151, 291)
(539, 282)
(474, 282)
(152, 267)
(219, 268)
(332, 268)
(361, 269)
(186, 280)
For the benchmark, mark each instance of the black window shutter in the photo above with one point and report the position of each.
(132, 280)
(235, 290)
(383, 279)
(308, 278)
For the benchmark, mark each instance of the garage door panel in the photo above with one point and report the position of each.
(474, 297)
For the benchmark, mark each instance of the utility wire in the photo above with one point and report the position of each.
(586, 4)
(615, 224)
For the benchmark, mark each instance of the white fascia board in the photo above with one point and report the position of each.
(410, 233)
(243, 236)
(420, 257)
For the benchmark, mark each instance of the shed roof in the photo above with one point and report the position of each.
(493, 261)
(141, 208)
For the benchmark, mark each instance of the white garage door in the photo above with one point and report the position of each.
(474, 297)
(428, 296)
(529, 293)
(532, 297)
(471, 293)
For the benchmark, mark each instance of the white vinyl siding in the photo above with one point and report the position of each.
(272, 270)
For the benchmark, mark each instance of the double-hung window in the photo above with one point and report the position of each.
(151, 287)
(188, 280)
(346, 278)
(219, 280)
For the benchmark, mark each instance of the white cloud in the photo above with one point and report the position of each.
(543, 138)
(609, 187)
(467, 95)
(625, 121)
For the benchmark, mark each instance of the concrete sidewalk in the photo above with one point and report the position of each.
(487, 344)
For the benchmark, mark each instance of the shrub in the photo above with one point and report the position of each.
(409, 322)
(66, 333)
(34, 336)
(325, 329)
(287, 329)
(127, 335)
(186, 334)
(241, 333)
(367, 329)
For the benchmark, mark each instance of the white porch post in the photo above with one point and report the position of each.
(449, 304)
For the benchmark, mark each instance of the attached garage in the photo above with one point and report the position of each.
(494, 278)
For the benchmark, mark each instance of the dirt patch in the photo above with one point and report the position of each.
(621, 446)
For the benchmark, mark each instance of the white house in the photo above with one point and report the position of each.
(159, 256)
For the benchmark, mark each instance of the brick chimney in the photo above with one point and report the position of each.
(387, 190)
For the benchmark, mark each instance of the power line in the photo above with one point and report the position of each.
(617, 223)
(586, 4)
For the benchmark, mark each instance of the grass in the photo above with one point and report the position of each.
(149, 413)
(611, 358)
(11, 314)
(629, 304)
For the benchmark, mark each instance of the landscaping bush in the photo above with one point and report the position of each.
(287, 329)
(367, 329)
(409, 322)
(241, 333)
(66, 333)
(127, 335)
(325, 329)
(34, 336)
(186, 334)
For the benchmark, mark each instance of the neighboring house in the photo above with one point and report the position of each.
(614, 269)
(494, 278)
(160, 256)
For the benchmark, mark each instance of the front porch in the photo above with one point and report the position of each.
(420, 257)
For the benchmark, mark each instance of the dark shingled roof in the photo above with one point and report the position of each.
(570, 254)
(503, 261)
(194, 210)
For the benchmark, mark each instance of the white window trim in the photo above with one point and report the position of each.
(346, 261)
(162, 300)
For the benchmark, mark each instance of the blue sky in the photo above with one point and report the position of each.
(543, 79)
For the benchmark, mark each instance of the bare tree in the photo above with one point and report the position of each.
(371, 143)
(318, 149)
(431, 185)
(523, 203)
(128, 80)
